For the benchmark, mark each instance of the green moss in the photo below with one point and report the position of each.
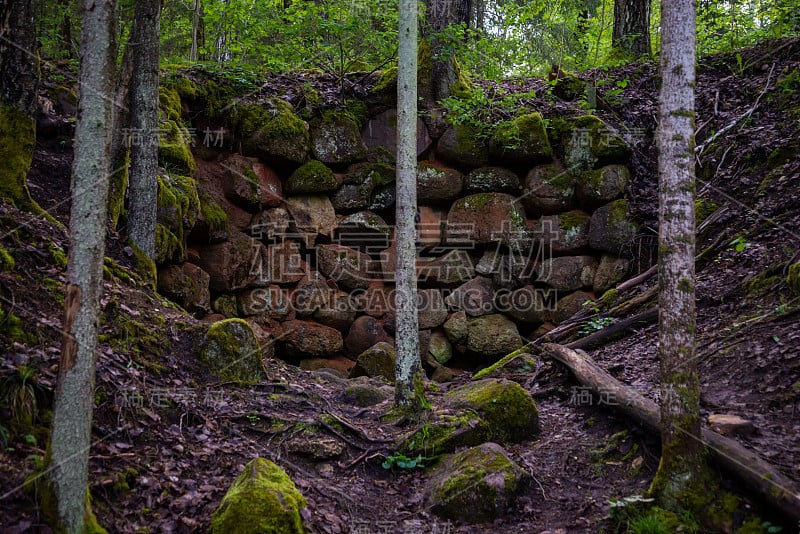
(170, 103)
(125, 481)
(762, 283)
(445, 435)
(476, 202)
(40, 484)
(231, 351)
(609, 297)
(263, 499)
(55, 289)
(572, 220)
(702, 209)
(214, 217)
(590, 143)
(117, 186)
(793, 278)
(6, 260)
(388, 80)
(502, 362)
(169, 247)
(358, 111)
(272, 130)
(13, 329)
(312, 177)
(144, 265)
(522, 140)
(58, 254)
(17, 140)
(173, 148)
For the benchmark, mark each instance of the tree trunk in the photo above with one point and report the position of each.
(19, 84)
(683, 452)
(195, 30)
(408, 372)
(631, 35)
(70, 439)
(143, 183)
(753, 472)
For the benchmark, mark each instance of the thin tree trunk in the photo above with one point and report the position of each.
(143, 183)
(631, 33)
(408, 368)
(195, 30)
(683, 453)
(70, 438)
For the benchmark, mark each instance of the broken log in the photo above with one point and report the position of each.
(757, 475)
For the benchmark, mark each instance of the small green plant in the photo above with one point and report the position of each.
(23, 395)
(253, 418)
(404, 462)
(739, 244)
(594, 324)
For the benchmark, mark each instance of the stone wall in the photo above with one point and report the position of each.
(290, 227)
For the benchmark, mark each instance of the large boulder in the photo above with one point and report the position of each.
(377, 360)
(475, 297)
(312, 215)
(366, 186)
(460, 145)
(271, 301)
(521, 142)
(311, 178)
(431, 308)
(610, 271)
(311, 293)
(567, 233)
(454, 267)
(611, 230)
(476, 485)
(273, 132)
(186, 284)
(262, 500)
(548, 189)
(241, 184)
(569, 305)
(231, 351)
(568, 273)
(348, 267)
(229, 264)
(528, 305)
(338, 312)
(439, 348)
(269, 184)
(336, 139)
(365, 332)
(600, 186)
(492, 335)
(437, 184)
(507, 410)
(380, 133)
(487, 217)
(492, 180)
(365, 230)
(307, 339)
(590, 143)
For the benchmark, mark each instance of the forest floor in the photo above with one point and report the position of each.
(162, 465)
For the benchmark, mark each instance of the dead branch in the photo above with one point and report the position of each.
(601, 336)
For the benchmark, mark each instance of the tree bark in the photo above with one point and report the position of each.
(683, 454)
(143, 182)
(754, 473)
(408, 372)
(631, 34)
(195, 30)
(19, 85)
(70, 439)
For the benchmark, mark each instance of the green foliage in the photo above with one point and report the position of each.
(404, 462)
(482, 112)
(23, 396)
(595, 324)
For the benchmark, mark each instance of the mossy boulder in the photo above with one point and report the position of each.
(174, 148)
(439, 348)
(337, 140)
(17, 139)
(568, 273)
(610, 271)
(187, 285)
(521, 141)
(241, 185)
(364, 394)
(461, 146)
(548, 190)
(488, 217)
(377, 360)
(611, 229)
(178, 207)
(169, 102)
(212, 221)
(311, 177)
(507, 410)
(567, 86)
(273, 132)
(590, 143)
(600, 186)
(456, 328)
(492, 180)
(567, 233)
(493, 335)
(366, 186)
(476, 485)
(438, 184)
(262, 500)
(231, 351)
(569, 305)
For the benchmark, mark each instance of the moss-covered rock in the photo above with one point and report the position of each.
(363, 395)
(273, 132)
(611, 230)
(178, 206)
(439, 348)
(169, 101)
(262, 500)
(377, 360)
(590, 143)
(599, 186)
(337, 140)
(508, 412)
(231, 351)
(476, 485)
(488, 218)
(174, 150)
(311, 177)
(461, 146)
(492, 335)
(793, 278)
(17, 139)
(567, 86)
(703, 208)
(212, 221)
(437, 184)
(117, 186)
(548, 190)
(521, 141)
(366, 185)
(492, 179)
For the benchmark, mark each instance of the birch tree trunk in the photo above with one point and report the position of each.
(70, 438)
(143, 183)
(631, 34)
(408, 372)
(683, 456)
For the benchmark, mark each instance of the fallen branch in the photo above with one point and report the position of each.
(597, 338)
(757, 475)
